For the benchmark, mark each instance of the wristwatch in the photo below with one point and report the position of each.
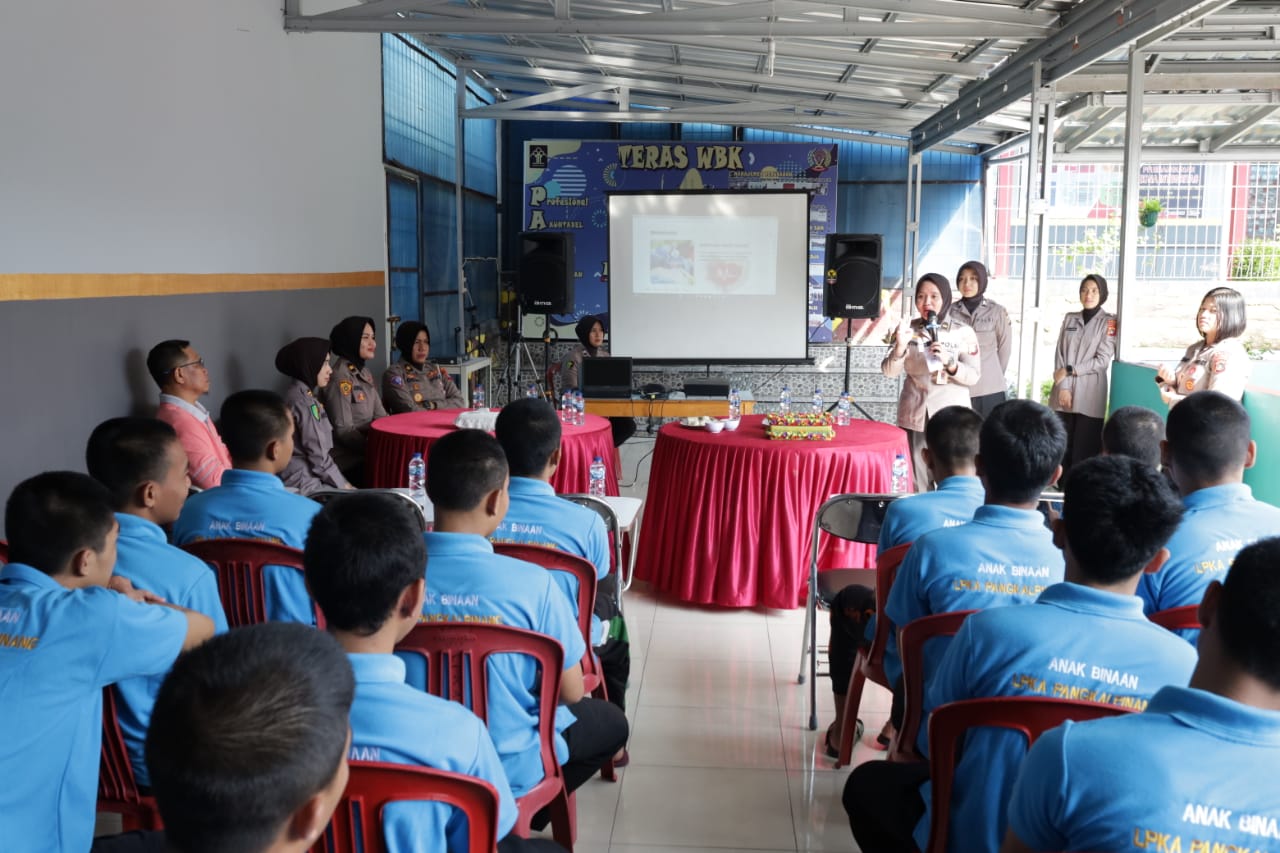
(1071, 371)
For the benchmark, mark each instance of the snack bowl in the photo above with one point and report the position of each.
(731, 423)
(715, 426)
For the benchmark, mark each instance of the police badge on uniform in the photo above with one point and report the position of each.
(345, 387)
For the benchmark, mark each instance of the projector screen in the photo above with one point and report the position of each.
(709, 276)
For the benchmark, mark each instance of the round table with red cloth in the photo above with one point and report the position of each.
(394, 439)
(729, 515)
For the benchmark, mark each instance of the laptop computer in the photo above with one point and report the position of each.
(606, 378)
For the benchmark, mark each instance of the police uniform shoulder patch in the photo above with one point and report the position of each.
(397, 380)
(1218, 362)
(345, 387)
(315, 411)
(1111, 327)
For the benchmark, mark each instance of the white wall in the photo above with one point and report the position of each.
(186, 136)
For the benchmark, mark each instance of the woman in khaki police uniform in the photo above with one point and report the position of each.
(414, 384)
(1081, 369)
(351, 397)
(941, 363)
(991, 324)
(1218, 362)
(311, 467)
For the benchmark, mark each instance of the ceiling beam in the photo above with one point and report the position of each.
(1240, 128)
(1099, 124)
(1243, 78)
(1089, 32)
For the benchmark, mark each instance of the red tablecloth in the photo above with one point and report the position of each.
(394, 439)
(729, 515)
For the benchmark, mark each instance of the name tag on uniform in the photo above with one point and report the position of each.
(1073, 328)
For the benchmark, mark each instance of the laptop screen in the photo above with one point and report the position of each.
(606, 377)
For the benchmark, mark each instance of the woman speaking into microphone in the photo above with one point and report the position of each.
(939, 354)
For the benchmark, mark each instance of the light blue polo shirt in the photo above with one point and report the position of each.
(58, 649)
(953, 503)
(538, 516)
(1207, 774)
(1218, 522)
(388, 719)
(1004, 556)
(256, 505)
(1074, 642)
(466, 580)
(150, 563)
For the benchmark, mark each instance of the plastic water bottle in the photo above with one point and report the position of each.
(844, 411)
(477, 399)
(784, 402)
(579, 409)
(418, 480)
(735, 403)
(901, 475)
(532, 390)
(817, 400)
(596, 488)
(566, 407)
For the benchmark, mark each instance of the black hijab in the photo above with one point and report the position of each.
(980, 270)
(583, 331)
(405, 336)
(302, 359)
(944, 287)
(1087, 314)
(344, 338)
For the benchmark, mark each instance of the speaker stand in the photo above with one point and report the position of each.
(514, 366)
(848, 345)
(548, 334)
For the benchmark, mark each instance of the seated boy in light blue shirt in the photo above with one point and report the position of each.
(252, 502)
(951, 446)
(1196, 769)
(529, 431)
(467, 484)
(143, 465)
(1085, 639)
(1206, 450)
(70, 628)
(364, 559)
(248, 741)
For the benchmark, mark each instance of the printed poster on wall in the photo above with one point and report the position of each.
(566, 181)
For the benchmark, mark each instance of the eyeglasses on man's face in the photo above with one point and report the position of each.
(199, 362)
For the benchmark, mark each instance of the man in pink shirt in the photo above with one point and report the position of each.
(183, 379)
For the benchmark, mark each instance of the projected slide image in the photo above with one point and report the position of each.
(700, 256)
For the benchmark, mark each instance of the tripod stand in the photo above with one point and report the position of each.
(520, 346)
(848, 345)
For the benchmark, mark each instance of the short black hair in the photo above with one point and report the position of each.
(1231, 313)
(250, 421)
(463, 467)
(164, 357)
(1208, 435)
(1134, 431)
(952, 435)
(529, 431)
(124, 453)
(245, 729)
(1022, 444)
(52, 516)
(363, 549)
(1249, 611)
(1118, 512)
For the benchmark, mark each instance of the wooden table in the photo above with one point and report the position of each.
(687, 407)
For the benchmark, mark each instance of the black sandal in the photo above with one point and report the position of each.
(834, 751)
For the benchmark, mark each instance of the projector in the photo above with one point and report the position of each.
(707, 386)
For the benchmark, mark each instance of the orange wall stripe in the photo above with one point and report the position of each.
(20, 287)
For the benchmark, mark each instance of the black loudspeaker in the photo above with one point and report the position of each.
(853, 276)
(545, 282)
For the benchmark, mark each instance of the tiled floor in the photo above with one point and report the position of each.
(721, 754)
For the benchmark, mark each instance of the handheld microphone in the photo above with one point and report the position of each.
(931, 326)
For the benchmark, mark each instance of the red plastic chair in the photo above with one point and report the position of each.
(1185, 618)
(868, 665)
(560, 561)
(456, 656)
(1031, 715)
(911, 642)
(356, 826)
(117, 788)
(239, 564)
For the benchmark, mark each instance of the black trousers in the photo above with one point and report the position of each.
(849, 617)
(596, 736)
(884, 805)
(515, 844)
(130, 842)
(1084, 438)
(987, 402)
